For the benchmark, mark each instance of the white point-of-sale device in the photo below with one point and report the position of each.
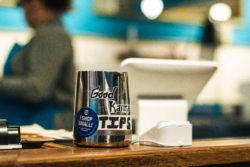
(163, 89)
(168, 134)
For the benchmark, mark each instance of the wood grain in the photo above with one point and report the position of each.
(201, 153)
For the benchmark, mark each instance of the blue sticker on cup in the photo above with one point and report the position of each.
(86, 122)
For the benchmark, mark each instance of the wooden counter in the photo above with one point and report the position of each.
(203, 152)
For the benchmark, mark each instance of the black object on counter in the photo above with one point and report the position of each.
(9, 136)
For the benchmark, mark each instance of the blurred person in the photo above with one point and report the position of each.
(38, 81)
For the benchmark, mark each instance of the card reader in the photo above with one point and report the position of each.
(168, 134)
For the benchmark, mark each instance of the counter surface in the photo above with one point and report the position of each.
(202, 152)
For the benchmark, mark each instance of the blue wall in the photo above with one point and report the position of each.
(83, 21)
(11, 19)
(242, 32)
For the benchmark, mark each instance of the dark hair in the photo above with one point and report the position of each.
(56, 5)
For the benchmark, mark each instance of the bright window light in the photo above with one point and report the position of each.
(152, 8)
(220, 12)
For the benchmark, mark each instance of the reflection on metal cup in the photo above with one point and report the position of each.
(102, 109)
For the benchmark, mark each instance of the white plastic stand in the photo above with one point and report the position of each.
(151, 112)
(168, 134)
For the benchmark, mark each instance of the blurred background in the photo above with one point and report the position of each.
(104, 32)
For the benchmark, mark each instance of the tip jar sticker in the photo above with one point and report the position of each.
(87, 122)
(102, 109)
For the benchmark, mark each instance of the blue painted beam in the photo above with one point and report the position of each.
(82, 20)
(241, 34)
(12, 18)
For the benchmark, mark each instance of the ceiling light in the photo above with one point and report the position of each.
(220, 12)
(152, 8)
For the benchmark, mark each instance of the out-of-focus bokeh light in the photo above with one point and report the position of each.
(220, 12)
(152, 8)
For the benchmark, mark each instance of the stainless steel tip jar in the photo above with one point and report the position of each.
(102, 109)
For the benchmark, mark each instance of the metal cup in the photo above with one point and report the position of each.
(102, 109)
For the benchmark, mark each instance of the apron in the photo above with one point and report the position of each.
(17, 113)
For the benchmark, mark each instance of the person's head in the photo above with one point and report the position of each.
(38, 11)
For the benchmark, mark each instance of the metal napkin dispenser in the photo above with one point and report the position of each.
(102, 109)
(9, 136)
